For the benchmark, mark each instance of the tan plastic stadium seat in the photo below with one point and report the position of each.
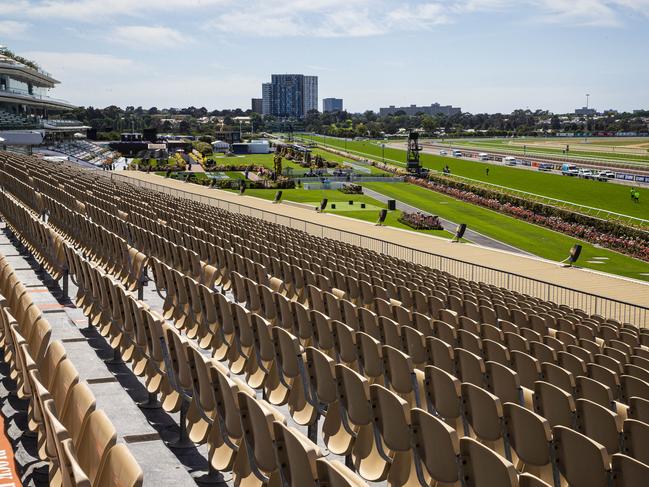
(484, 468)
(582, 461)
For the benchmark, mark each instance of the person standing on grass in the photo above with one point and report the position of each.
(487, 170)
(636, 196)
(632, 193)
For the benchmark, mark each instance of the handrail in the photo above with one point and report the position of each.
(589, 302)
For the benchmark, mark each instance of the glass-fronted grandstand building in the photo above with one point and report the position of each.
(33, 121)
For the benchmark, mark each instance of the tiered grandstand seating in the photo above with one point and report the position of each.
(76, 438)
(14, 121)
(56, 123)
(408, 374)
(85, 151)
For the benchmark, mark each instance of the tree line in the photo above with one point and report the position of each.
(200, 121)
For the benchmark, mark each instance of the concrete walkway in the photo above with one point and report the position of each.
(470, 235)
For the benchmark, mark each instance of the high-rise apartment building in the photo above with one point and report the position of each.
(266, 97)
(290, 95)
(310, 93)
(257, 105)
(332, 104)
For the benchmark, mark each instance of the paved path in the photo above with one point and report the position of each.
(470, 235)
(361, 233)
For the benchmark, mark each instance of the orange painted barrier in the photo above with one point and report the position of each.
(8, 475)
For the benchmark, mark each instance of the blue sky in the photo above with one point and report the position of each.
(481, 55)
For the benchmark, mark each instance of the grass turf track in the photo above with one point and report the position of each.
(607, 196)
(577, 149)
(525, 236)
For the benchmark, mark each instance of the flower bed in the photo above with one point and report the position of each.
(351, 189)
(633, 245)
(421, 221)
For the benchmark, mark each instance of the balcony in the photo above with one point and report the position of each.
(25, 95)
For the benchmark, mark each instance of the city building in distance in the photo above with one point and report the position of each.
(433, 109)
(310, 93)
(584, 111)
(289, 95)
(332, 104)
(266, 95)
(257, 105)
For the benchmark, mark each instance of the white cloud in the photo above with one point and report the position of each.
(420, 16)
(303, 18)
(99, 10)
(71, 66)
(356, 18)
(568, 12)
(12, 28)
(144, 36)
(101, 80)
(10, 7)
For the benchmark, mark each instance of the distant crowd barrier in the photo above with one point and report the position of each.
(590, 303)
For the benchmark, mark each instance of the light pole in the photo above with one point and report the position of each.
(586, 134)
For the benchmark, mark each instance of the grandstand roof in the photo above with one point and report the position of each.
(37, 77)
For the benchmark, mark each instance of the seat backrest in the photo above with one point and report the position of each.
(527, 367)
(529, 434)
(639, 409)
(633, 387)
(628, 472)
(440, 354)
(257, 423)
(400, 374)
(65, 376)
(600, 424)
(96, 438)
(81, 404)
(572, 363)
(296, 456)
(120, 469)
(444, 394)
(483, 411)
(495, 351)
(470, 367)
(595, 391)
(558, 376)
(636, 439)
(353, 394)
(554, 404)
(71, 473)
(436, 445)
(320, 369)
(582, 461)
(391, 416)
(503, 382)
(482, 467)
